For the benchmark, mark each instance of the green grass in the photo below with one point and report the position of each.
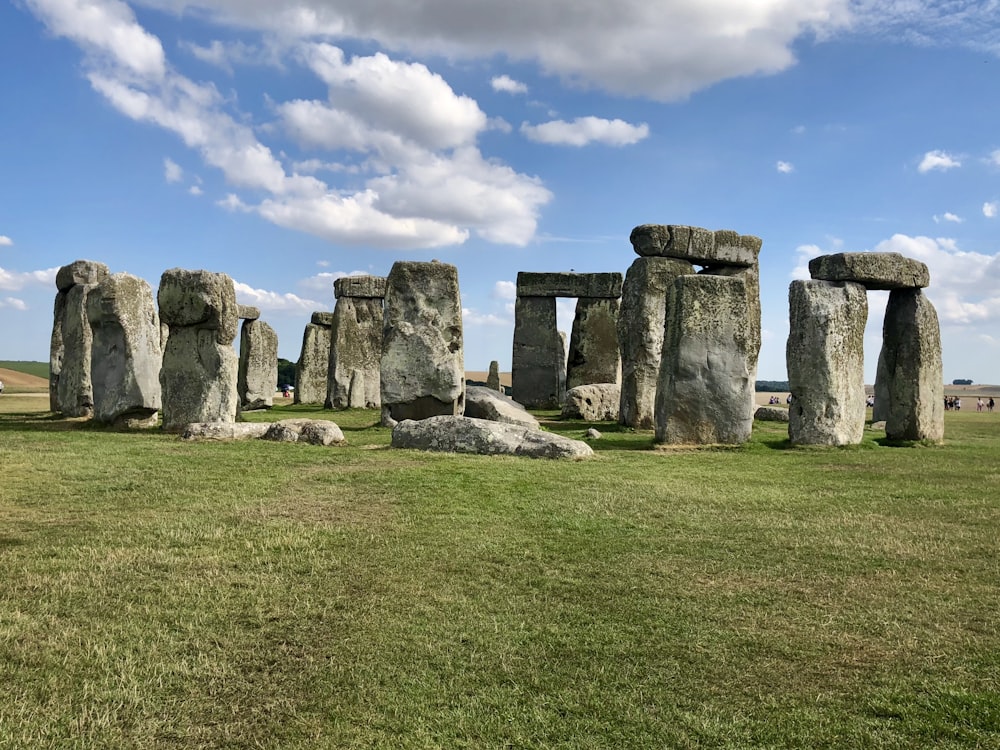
(162, 594)
(39, 369)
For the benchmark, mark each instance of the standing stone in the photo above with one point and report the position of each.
(126, 354)
(493, 378)
(257, 377)
(538, 361)
(706, 392)
(640, 333)
(353, 379)
(57, 350)
(594, 355)
(422, 366)
(200, 368)
(751, 276)
(825, 359)
(314, 360)
(911, 350)
(880, 412)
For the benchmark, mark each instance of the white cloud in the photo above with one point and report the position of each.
(172, 171)
(584, 130)
(785, 167)
(195, 190)
(804, 254)
(15, 280)
(226, 55)
(474, 318)
(938, 160)
(5, 241)
(948, 216)
(508, 85)
(323, 282)
(990, 209)
(275, 301)
(13, 303)
(505, 290)
(994, 158)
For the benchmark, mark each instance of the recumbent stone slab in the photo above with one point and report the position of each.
(871, 270)
(560, 284)
(459, 434)
(703, 247)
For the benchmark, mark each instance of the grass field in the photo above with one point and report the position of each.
(161, 594)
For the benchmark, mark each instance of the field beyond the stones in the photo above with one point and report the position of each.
(163, 594)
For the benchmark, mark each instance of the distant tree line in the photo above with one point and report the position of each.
(960, 381)
(772, 386)
(286, 372)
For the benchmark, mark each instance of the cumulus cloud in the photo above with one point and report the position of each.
(323, 282)
(15, 280)
(5, 241)
(938, 160)
(505, 290)
(804, 254)
(472, 317)
(13, 303)
(274, 301)
(585, 130)
(990, 209)
(508, 85)
(195, 190)
(785, 167)
(172, 171)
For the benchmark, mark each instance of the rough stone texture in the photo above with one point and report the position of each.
(74, 393)
(353, 376)
(369, 287)
(871, 270)
(314, 365)
(493, 378)
(200, 368)
(825, 359)
(538, 361)
(56, 350)
(703, 247)
(595, 402)
(771, 414)
(751, 277)
(247, 312)
(706, 390)
(80, 272)
(257, 377)
(458, 434)
(640, 334)
(559, 284)
(311, 431)
(880, 412)
(322, 319)
(594, 355)
(422, 366)
(485, 403)
(911, 351)
(594, 434)
(125, 352)
(224, 430)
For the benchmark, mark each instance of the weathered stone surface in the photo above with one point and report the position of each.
(458, 434)
(314, 365)
(703, 247)
(751, 277)
(706, 391)
(56, 350)
(353, 377)
(322, 319)
(257, 377)
(825, 359)
(422, 367)
(493, 378)
(75, 394)
(911, 349)
(199, 299)
(485, 403)
(594, 355)
(369, 287)
(771, 414)
(199, 372)
(311, 431)
(871, 270)
(640, 334)
(594, 434)
(595, 402)
(224, 430)
(80, 272)
(880, 411)
(247, 312)
(125, 353)
(538, 362)
(559, 284)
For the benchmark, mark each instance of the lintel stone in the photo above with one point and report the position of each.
(872, 270)
(324, 319)
(703, 247)
(563, 284)
(369, 287)
(247, 312)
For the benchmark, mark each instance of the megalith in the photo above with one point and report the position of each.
(353, 379)
(314, 360)
(126, 355)
(422, 367)
(594, 354)
(641, 321)
(493, 377)
(825, 361)
(257, 377)
(200, 368)
(706, 391)
(70, 385)
(538, 360)
(912, 369)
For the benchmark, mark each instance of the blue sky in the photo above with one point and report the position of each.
(289, 147)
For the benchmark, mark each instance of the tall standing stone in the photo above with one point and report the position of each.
(641, 320)
(825, 360)
(314, 360)
(200, 368)
(57, 350)
(914, 380)
(353, 379)
(126, 355)
(594, 354)
(257, 377)
(538, 359)
(422, 365)
(493, 377)
(705, 394)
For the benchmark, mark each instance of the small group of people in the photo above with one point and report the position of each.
(953, 403)
(980, 404)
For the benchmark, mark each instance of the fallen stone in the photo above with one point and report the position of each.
(368, 287)
(224, 430)
(594, 402)
(80, 272)
(312, 431)
(594, 434)
(771, 414)
(880, 425)
(702, 247)
(458, 434)
(485, 403)
(560, 284)
(871, 270)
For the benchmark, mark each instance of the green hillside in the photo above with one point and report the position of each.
(40, 369)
